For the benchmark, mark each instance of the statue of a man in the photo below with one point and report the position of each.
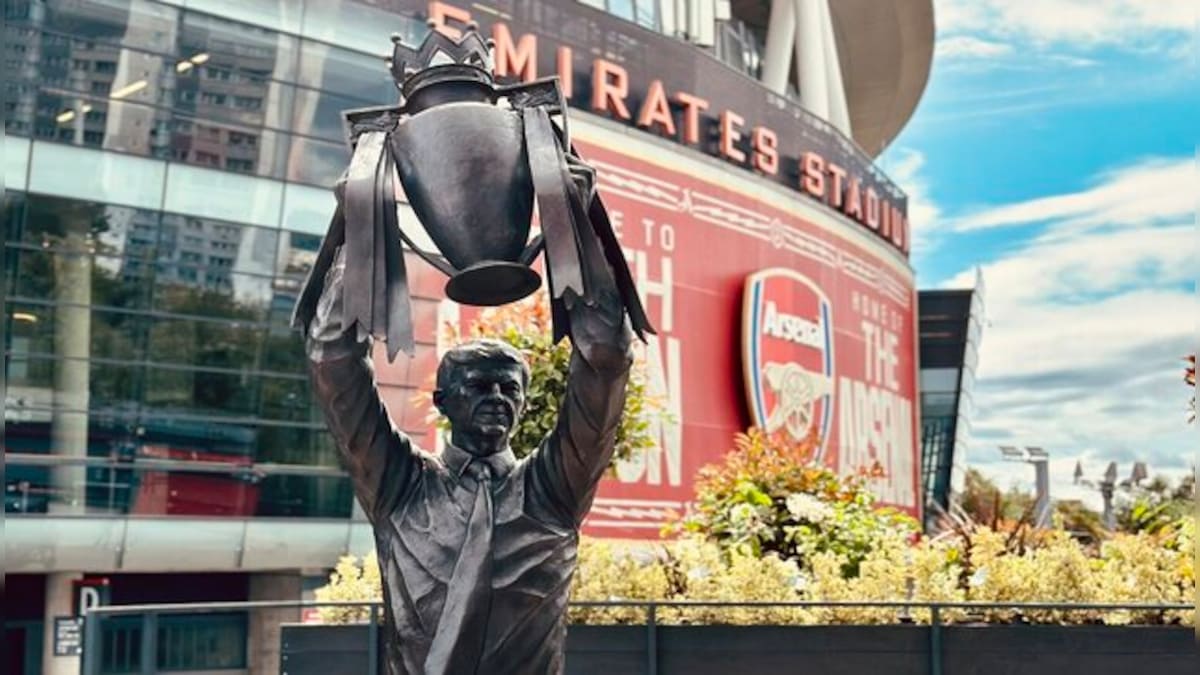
(476, 548)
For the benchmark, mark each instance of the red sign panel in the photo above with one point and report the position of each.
(764, 317)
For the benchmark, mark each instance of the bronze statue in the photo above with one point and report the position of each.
(476, 548)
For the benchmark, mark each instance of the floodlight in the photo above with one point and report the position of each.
(1110, 474)
(1012, 452)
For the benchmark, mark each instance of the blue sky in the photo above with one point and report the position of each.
(1055, 149)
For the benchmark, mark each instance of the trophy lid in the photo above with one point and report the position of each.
(442, 58)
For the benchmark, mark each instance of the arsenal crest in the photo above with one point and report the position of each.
(787, 354)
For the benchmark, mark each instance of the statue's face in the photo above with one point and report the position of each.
(483, 399)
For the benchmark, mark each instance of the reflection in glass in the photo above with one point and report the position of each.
(205, 343)
(14, 215)
(132, 23)
(255, 53)
(352, 74)
(317, 162)
(114, 282)
(92, 175)
(217, 245)
(221, 195)
(221, 145)
(107, 230)
(197, 392)
(319, 113)
(352, 24)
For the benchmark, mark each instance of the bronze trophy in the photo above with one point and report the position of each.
(472, 156)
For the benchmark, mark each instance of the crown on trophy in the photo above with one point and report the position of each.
(470, 50)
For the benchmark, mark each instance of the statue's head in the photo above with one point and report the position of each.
(481, 391)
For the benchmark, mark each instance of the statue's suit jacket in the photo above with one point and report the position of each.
(419, 506)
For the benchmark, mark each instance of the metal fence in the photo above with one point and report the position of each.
(150, 615)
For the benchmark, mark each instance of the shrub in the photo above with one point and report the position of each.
(770, 496)
(1132, 569)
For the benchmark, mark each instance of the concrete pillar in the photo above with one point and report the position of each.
(262, 641)
(781, 37)
(810, 57)
(839, 112)
(60, 596)
(72, 346)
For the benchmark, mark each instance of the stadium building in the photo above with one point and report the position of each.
(167, 173)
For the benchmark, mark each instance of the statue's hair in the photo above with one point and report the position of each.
(480, 351)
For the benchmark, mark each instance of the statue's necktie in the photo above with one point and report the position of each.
(458, 643)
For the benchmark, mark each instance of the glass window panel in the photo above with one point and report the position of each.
(356, 26)
(75, 72)
(353, 74)
(305, 497)
(307, 210)
(319, 113)
(287, 399)
(16, 162)
(221, 145)
(103, 334)
(621, 8)
(311, 446)
(216, 194)
(279, 15)
(191, 289)
(284, 349)
(80, 280)
(297, 253)
(14, 215)
(133, 23)
(647, 14)
(213, 641)
(34, 379)
(226, 246)
(252, 50)
(70, 225)
(199, 392)
(99, 176)
(97, 122)
(217, 91)
(217, 344)
(317, 163)
(939, 379)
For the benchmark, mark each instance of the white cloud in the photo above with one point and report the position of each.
(1087, 326)
(968, 47)
(904, 166)
(1085, 23)
(1150, 192)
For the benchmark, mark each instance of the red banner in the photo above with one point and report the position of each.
(834, 315)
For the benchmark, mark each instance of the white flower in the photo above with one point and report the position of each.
(804, 506)
(741, 513)
(978, 578)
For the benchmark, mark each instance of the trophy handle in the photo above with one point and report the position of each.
(439, 262)
(532, 250)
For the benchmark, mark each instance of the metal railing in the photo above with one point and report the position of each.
(937, 619)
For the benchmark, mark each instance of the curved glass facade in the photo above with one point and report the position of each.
(166, 169)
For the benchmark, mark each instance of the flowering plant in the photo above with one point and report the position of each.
(771, 496)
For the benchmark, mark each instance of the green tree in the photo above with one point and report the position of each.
(526, 326)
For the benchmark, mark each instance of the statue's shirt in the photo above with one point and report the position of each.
(421, 507)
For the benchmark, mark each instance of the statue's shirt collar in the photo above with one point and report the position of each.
(458, 461)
